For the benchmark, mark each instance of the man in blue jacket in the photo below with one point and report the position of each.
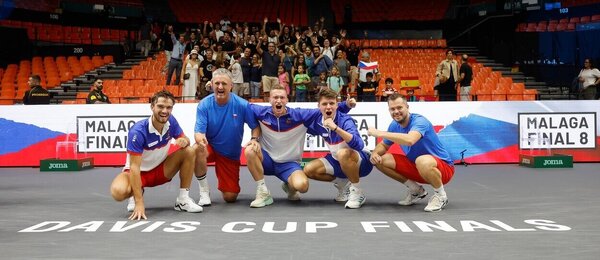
(348, 159)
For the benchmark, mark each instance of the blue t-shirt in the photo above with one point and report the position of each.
(428, 144)
(224, 125)
(143, 139)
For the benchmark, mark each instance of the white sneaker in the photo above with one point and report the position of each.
(436, 203)
(262, 199)
(204, 200)
(131, 204)
(187, 204)
(343, 191)
(291, 196)
(413, 198)
(355, 199)
(204, 194)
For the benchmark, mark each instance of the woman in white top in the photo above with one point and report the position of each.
(589, 78)
(191, 66)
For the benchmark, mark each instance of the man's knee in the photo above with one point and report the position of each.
(300, 184)
(120, 192)
(347, 155)
(425, 163)
(230, 197)
(251, 154)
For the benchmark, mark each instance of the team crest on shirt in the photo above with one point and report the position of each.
(288, 121)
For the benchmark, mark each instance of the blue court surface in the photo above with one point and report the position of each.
(494, 212)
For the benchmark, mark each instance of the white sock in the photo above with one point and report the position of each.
(202, 183)
(184, 193)
(440, 191)
(355, 185)
(412, 186)
(340, 181)
(260, 185)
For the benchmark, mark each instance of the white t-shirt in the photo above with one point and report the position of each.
(590, 76)
(236, 70)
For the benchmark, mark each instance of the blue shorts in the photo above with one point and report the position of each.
(332, 166)
(280, 170)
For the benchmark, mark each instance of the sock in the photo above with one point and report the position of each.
(413, 187)
(339, 181)
(355, 185)
(440, 191)
(202, 182)
(184, 193)
(260, 185)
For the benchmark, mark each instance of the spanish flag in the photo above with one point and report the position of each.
(410, 82)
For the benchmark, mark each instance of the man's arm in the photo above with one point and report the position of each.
(135, 180)
(380, 149)
(402, 139)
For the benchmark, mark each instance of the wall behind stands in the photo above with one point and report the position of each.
(490, 132)
(15, 47)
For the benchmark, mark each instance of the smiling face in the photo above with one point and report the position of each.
(278, 99)
(398, 110)
(221, 85)
(161, 110)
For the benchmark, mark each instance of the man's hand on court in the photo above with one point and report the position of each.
(139, 212)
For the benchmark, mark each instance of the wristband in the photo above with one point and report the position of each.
(336, 127)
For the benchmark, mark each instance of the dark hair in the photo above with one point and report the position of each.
(162, 94)
(390, 80)
(35, 79)
(449, 50)
(589, 60)
(369, 74)
(327, 93)
(395, 96)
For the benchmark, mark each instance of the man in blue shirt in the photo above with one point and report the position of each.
(322, 63)
(348, 159)
(176, 61)
(219, 129)
(149, 163)
(425, 160)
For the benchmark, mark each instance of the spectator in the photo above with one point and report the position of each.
(255, 75)
(365, 66)
(322, 63)
(191, 76)
(447, 73)
(270, 62)
(96, 96)
(335, 82)
(36, 95)
(352, 54)
(367, 90)
(388, 90)
(301, 81)
(284, 79)
(237, 76)
(343, 66)
(146, 37)
(465, 78)
(176, 62)
(589, 78)
(246, 63)
(208, 65)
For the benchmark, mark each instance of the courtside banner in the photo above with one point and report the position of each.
(487, 132)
